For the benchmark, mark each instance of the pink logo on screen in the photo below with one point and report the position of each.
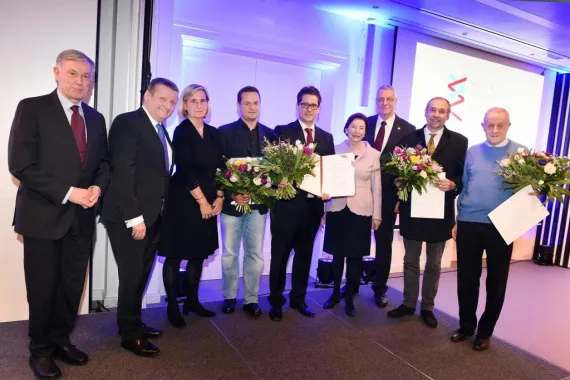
(457, 87)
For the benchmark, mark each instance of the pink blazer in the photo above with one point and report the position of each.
(367, 199)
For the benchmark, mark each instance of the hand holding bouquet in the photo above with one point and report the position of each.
(544, 172)
(245, 176)
(290, 162)
(414, 169)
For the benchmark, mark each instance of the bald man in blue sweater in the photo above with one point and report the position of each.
(482, 192)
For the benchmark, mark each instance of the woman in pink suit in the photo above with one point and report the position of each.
(350, 219)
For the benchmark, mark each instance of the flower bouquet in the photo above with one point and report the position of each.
(291, 162)
(546, 173)
(245, 176)
(414, 169)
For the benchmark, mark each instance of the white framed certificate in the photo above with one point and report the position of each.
(333, 175)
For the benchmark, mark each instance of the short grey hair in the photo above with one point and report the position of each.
(73, 55)
(188, 92)
(386, 87)
(497, 109)
(439, 98)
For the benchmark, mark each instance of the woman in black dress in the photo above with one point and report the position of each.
(189, 229)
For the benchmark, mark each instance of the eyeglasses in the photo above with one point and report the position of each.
(386, 100)
(312, 107)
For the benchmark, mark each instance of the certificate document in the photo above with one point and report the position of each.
(518, 214)
(430, 204)
(333, 175)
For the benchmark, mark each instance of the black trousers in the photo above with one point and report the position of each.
(472, 239)
(353, 272)
(294, 225)
(135, 259)
(55, 277)
(384, 236)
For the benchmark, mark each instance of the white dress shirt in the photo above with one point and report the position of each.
(436, 138)
(388, 129)
(67, 104)
(312, 127)
(139, 219)
(499, 145)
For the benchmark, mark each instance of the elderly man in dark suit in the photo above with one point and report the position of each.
(448, 148)
(57, 151)
(295, 222)
(142, 157)
(385, 130)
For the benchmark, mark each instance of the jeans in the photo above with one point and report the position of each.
(250, 227)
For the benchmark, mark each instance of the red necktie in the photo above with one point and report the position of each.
(78, 128)
(380, 137)
(309, 135)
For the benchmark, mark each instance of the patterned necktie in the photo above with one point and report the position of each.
(431, 143)
(162, 137)
(78, 128)
(309, 135)
(380, 137)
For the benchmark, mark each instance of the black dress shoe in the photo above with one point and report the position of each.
(459, 335)
(252, 309)
(380, 300)
(71, 355)
(140, 347)
(151, 332)
(44, 368)
(199, 310)
(429, 318)
(481, 344)
(401, 311)
(174, 317)
(333, 300)
(276, 314)
(303, 309)
(350, 310)
(229, 306)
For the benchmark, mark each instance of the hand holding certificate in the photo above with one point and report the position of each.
(518, 214)
(332, 175)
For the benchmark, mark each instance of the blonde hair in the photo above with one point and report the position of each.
(188, 92)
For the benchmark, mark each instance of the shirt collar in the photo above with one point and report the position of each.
(500, 145)
(66, 103)
(303, 125)
(437, 134)
(153, 122)
(244, 125)
(389, 121)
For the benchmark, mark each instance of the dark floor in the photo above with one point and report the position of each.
(329, 346)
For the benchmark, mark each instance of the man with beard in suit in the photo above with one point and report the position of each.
(448, 148)
(57, 150)
(385, 130)
(295, 222)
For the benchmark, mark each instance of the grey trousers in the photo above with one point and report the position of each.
(432, 271)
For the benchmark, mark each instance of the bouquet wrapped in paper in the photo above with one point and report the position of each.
(546, 173)
(414, 169)
(245, 176)
(282, 160)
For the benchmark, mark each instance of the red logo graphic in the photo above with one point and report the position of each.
(457, 88)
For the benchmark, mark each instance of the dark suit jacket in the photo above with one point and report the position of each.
(234, 146)
(43, 156)
(140, 181)
(324, 146)
(389, 191)
(450, 153)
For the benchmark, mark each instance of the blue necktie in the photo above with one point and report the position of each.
(162, 137)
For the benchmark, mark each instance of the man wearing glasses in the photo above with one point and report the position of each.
(295, 222)
(385, 130)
